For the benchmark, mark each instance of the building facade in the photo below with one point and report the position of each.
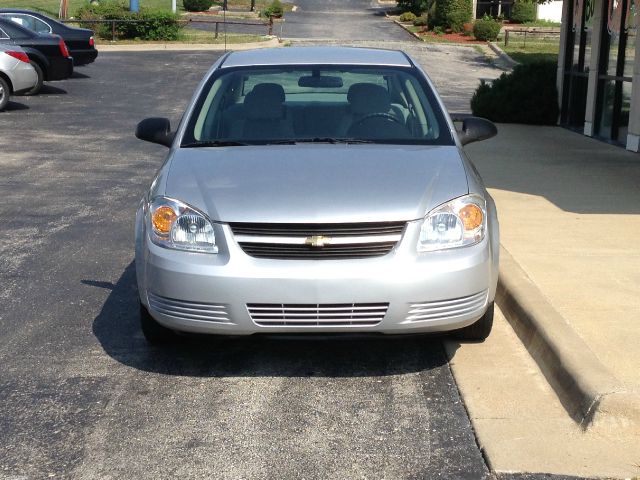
(598, 78)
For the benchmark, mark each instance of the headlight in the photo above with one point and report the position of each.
(458, 223)
(174, 224)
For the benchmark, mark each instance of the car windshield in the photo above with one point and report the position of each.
(341, 104)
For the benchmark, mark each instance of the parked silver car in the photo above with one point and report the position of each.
(317, 189)
(16, 73)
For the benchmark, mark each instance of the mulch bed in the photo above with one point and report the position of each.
(452, 38)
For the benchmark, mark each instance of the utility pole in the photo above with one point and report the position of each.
(173, 6)
(64, 9)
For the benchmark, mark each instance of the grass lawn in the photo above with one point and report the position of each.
(542, 23)
(51, 7)
(532, 52)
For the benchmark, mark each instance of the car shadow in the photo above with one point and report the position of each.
(116, 328)
(77, 74)
(51, 90)
(15, 106)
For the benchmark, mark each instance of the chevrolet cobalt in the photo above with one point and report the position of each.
(316, 189)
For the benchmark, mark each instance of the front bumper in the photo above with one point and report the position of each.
(438, 291)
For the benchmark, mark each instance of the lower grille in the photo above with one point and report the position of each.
(446, 308)
(207, 312)
(317, 315)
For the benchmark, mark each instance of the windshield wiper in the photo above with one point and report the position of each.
(214, 143)
(318, 140)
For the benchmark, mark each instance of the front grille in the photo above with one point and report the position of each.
(317, 315)
(310, 229)
(339, 240)
(443, 309)
(284, 251)
(207, 312)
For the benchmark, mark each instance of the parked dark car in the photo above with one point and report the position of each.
(80, 41)
(47, 53)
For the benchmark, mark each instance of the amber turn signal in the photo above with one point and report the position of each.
(163, 219)
(471, 216)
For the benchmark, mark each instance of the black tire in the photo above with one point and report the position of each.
(153, 332)
(480, 330)
(40, 81)
(5, 93)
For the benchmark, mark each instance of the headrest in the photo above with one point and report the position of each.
(264, 102)
(365, 98)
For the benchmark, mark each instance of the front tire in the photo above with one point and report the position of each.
(480, 330)
(40, 81)
(5, 92)
(153, 332)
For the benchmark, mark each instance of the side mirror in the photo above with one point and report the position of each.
(155, 130)
(474, 129)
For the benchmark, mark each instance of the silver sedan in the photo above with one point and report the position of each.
(16, 73)
(316, 189)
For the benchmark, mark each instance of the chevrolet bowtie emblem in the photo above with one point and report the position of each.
(317, 241)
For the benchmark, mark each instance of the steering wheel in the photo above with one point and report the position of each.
(384, 115)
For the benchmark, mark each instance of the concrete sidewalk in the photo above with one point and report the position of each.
(569, 211)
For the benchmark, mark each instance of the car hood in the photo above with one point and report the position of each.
(316, 183)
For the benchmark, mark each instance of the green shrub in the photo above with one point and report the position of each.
(438, 30)
(274, 10)
(486, 29)
(148, 25)
(523, 11)
(453, 14)
(157, 25)
(526, 95)
(408, 17)
(197, 5)
(421, 21)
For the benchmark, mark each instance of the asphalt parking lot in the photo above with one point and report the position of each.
(81, 393)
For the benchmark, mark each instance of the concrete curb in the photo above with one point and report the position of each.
(502, 54)
(273, 42)
(587, 389)
(413, 34)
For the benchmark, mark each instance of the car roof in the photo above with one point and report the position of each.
(317, 56)
(18, 10)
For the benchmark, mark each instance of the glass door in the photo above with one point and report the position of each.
(616, 70)
(576, 67)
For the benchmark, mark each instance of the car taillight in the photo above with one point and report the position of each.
(23, 57)
(91, 42)
(63, 48)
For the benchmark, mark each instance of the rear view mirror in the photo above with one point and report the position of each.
(155, 130)
(317, 81)
(474, 129)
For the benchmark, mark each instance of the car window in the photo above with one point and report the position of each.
(15, 31)
(28, 21)
(3, 35)
(265, 104)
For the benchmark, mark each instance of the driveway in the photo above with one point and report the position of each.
(341, 20)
